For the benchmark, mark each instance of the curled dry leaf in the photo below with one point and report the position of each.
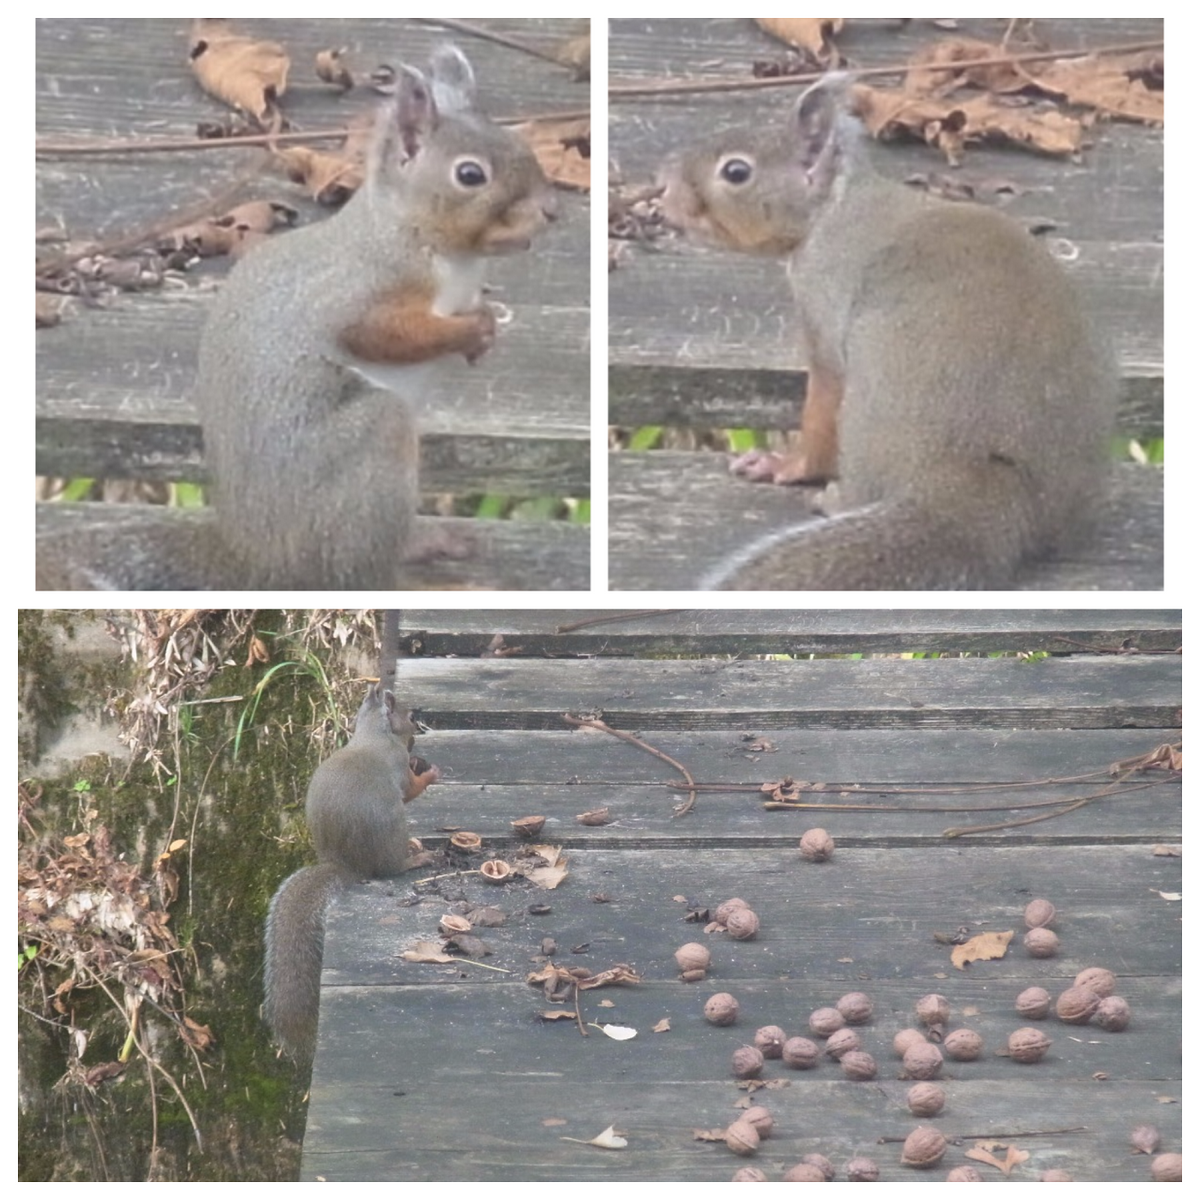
(331, 68)
(608, 1140)
(427, 952)
(563, 150)
(806, 33)
(981, 947)
(982, 1152)
(244, 72)
(662, 1026)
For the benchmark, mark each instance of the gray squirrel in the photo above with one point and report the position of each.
(355, 812)
(319, 341)
(955, 391)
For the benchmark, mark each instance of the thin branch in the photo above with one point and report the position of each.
(624, 616)
(596, 723)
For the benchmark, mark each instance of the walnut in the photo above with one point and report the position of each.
(963, 1045)
(841, 1042)
(825, 1021)
(933, 1009)
(721, 1009)
(800, 1053)
(1112, 1014)
(693, 960)
(1033, 1004)
(761, 1119)
(742, 1138)
(804, 1172)
(819, 1160)
(742, 924)
(906, 1038)
(964, 1175)
(922, 1060)
(856, 1007)
(1145, 1139)
(1027, 1045)
(858, 1065)
(769, 1039)
(1041, 943)
(1167, 1168)
(1039, 914)
(862, 1170)
(1076, 1005)
(747, 1063)
(816, 845)
(748, 1175)
(923, 1147)
(723, 910)
(1101, 981)
(925, 1099)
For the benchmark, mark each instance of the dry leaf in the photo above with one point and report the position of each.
(981, 947)
(563, 149)
(558, 1014)
(1013, 1157)
(1171, 895)
(249, 74)
(545, 866)
(331, 68)
(331, 179)
(806, 33)
(663, 1026)
(1161, 851)
(427, 952)
(608, 1140)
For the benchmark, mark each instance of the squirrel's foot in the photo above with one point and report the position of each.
(441, 543)
(483, 333)
(769, 466)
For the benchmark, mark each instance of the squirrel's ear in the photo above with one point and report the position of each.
(453, 79)
(412, 116)
(815, 119)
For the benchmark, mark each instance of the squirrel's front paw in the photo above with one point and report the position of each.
(424, 770)
(482, 334)
(768, 466)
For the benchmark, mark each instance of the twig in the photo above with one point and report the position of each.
(596, 723)
(488, 35)
(622, 91)
(972, 1137)
(578, 1015)
(625, 616)
(1062, 812)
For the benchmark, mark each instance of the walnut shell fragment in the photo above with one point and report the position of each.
(495, 870)
(528, 827)
(466, 841)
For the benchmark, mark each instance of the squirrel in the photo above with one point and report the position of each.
(955, 391)
(321, 338)
(355, 811)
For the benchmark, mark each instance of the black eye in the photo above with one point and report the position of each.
(470, 174)
(735, 170)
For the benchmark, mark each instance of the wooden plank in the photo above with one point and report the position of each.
(1080, 692)
(506, 555)
(866, 925)
(670, 520)
(543, 633)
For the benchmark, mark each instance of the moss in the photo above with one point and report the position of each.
(240, 820)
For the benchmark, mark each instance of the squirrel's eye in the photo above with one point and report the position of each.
(469, 173)
(735, 170)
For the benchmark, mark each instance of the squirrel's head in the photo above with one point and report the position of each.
(758, 189)
(471, 186)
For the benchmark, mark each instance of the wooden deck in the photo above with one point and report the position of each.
(702, 340)
(114, 382)
(446, 1072)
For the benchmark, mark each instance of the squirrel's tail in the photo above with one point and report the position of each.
(295, 946)
(891, 544)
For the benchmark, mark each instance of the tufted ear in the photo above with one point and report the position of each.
(815, 120)
(453, 79)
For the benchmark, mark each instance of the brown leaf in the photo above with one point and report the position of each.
(562, 148)
(249, 74)
(981, 947)
(806, 33)
(331, 179)
(981, 1152)
(331, 68)
(427, 952)
(662, 1026)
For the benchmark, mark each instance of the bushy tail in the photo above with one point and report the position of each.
(889, 545)
(295, 947)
